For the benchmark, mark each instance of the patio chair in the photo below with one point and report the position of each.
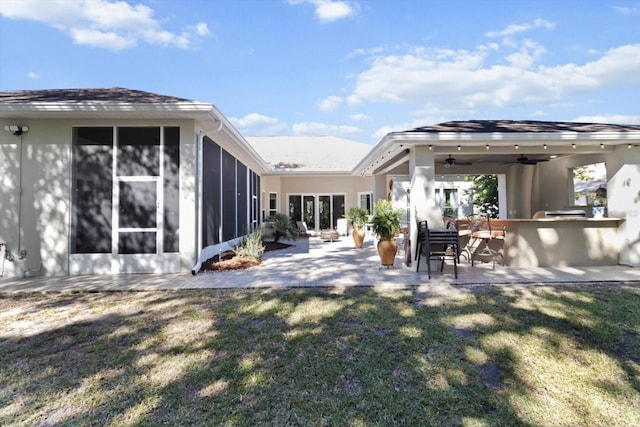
(437, 244)
(436, 240)
(303, 231)
(480, 237)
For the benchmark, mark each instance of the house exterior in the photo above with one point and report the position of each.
(534, 162)
(311, 178)
(107, 181)
(110, 181)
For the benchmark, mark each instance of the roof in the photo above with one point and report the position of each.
(118, 103)
(529, 126)
(472, 140)
(99, 95)
(115, 103)
(309, 153)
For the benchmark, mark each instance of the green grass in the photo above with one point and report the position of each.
(535, 356)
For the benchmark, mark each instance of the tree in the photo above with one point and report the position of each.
(485, 194)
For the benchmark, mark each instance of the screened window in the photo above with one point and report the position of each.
(92, 184)
(171, 159)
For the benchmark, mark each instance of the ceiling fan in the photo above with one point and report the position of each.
(527, 161)
(450, 161)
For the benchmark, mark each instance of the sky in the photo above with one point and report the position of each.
(350, 69)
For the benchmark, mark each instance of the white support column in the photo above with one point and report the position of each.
(623, 200)
(422, 172)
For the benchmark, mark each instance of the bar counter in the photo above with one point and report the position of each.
(556, 242)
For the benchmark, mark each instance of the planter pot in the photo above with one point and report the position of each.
(387, 249)
(358, 237)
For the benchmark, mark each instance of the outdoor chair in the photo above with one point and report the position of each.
(437, 244)
(436, 240)
(481, 234)
(303, 231)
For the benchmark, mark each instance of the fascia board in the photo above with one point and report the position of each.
(53, 109)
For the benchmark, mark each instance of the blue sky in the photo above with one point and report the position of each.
(353, 69)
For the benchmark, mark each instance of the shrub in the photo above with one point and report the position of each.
(357, 217)
(251, 246)
(282, 227)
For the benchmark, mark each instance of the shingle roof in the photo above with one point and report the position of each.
(510, 126)
(99, 95)
(309, 153)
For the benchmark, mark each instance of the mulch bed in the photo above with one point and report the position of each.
(228, 260)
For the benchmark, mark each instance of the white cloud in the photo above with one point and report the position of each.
(33, 75)
(464, 79)
(520, 28)
(316, 128)
(359, 117)
(106, 24)
(252, 119)
(609, 119)
(627, 10)
(330, 10)
(330, 103)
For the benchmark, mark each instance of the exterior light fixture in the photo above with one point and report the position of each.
(601, 145)
(430, 147)
(516, 146)
(573, 145)
(16, 129)
(459, 148)
(629, 146)
(486, 147)
(545, 146)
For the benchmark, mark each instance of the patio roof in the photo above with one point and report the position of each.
(527, 126)
(497, 141)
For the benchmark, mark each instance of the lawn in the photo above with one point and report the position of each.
(535, 356)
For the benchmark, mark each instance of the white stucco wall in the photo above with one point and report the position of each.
(41, 213)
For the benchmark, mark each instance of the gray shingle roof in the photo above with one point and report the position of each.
(510, 126)
(99, 95)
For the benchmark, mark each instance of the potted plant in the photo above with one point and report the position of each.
(357, 218)
(386, 224)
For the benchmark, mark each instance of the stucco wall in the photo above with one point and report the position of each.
(42, 211)
(348, 185)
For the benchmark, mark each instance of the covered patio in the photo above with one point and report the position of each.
(533, 162)
(315, 263)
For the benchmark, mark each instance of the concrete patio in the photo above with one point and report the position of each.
(312, 262)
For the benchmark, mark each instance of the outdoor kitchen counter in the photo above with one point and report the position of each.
(558, 242)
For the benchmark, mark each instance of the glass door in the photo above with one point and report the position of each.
(324, 212)
(138, 228)
(309, 203)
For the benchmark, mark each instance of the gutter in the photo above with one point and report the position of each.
(199, 165)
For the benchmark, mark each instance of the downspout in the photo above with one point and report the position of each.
(19, 245)
(199, 202)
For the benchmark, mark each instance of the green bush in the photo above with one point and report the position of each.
(357, 217)
(282, 227)
(251, 246)
(386, 219)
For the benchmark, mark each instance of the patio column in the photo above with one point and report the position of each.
(423, 177)
(623, 199)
